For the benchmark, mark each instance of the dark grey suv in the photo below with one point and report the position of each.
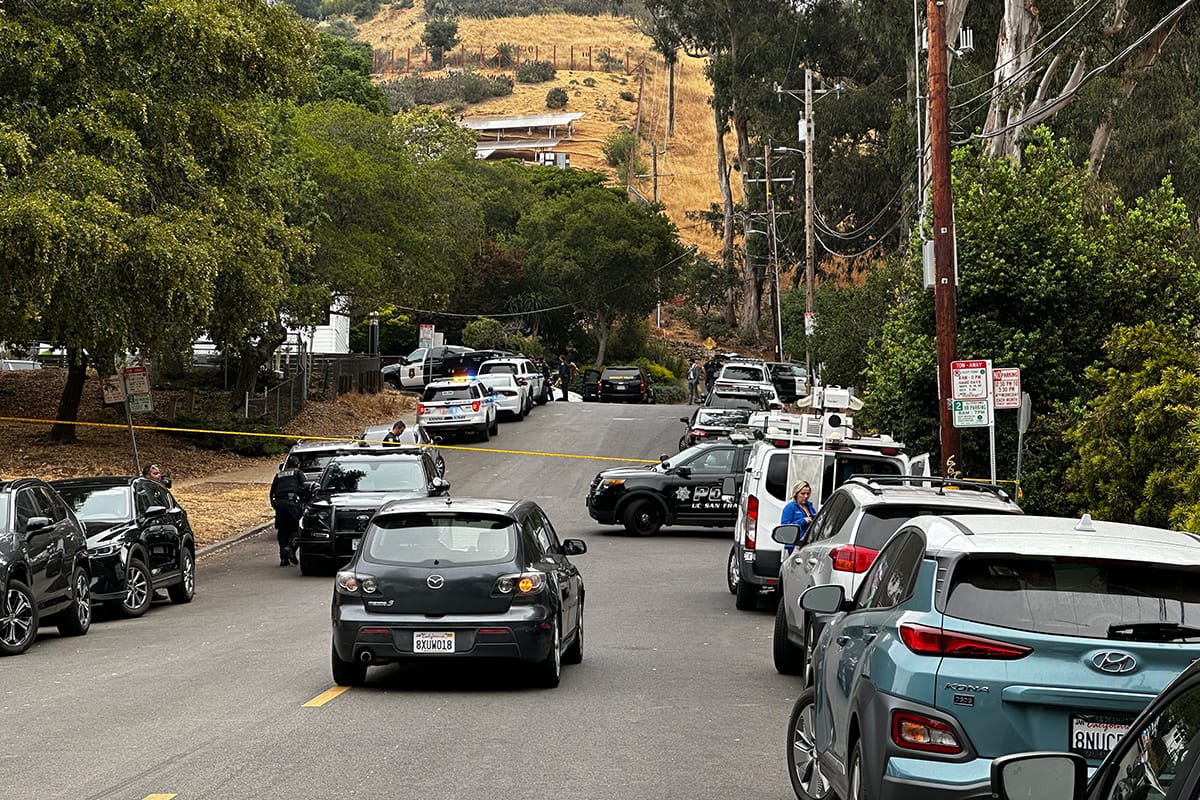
(43, 565)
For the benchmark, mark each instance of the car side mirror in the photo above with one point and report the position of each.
(685, 420)
(439, 486)
(787, 534)
(729, 490)
(683, 472)
(574, 547)
(154, 511)
(1039, 776)
(775, 406)
(35, 524)
(826, 599)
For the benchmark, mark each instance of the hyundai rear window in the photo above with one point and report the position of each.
(1078, 597)
(437, 539)
(441, 393)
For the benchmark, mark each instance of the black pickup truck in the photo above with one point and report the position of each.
(427, 364)
(682, 490)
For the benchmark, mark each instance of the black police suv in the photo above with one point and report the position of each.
(710, 424)
(464, 579)
(352, 488)
(139, 540)
(684, 489)
(44, 569)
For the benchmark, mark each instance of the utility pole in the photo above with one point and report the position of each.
(810, 267)
(944, 288)
(773, 255)
(637, 130)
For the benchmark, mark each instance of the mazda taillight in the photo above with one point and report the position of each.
(927, 641)
(475, 405)
(852, 558)
(751, 522)
(919, 732)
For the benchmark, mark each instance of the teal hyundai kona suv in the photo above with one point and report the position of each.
(974, 637)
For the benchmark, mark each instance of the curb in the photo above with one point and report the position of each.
(232, 540)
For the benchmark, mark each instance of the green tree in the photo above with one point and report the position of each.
(440, 37)
(431, 133)
(343, 72)
(485, 334)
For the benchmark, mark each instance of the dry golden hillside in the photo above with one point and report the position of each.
(687, 158)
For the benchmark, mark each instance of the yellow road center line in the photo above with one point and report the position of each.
(325, 696)
(159, 796)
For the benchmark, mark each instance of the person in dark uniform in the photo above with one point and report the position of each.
(286, 494)
(393, 436)
(564, 373)
(711, 368)
(154, 472)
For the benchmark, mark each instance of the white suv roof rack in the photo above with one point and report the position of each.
(812, 428)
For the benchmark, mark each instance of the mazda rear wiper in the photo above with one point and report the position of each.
(1152, 631)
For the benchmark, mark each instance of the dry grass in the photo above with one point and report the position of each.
(687, 161)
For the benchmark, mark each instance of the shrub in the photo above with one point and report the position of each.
(556, 98)
(535, 72)
(627, 95)
(617, 148)
(589, 81)
(658, 372)
(273, 445)
(670, 393)
(506, 56)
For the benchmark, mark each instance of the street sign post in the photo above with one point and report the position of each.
(971, 400)
(425, 335)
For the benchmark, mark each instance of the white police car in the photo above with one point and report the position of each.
(461, 405)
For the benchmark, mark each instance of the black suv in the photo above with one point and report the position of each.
(628, 384)
(740, 399)
(139, 540)
(681, 490)
(354, 485)
(310, 457)
(43, 565)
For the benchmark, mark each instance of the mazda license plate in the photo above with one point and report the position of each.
(428, 642)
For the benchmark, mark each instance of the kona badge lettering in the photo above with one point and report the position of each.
(967, 687)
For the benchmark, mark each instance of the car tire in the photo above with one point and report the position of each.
(804, 770)
(810, 648)
(548, 672)
(139, 589)
(346, 673)
(482, 435)
(746, 596)
(19, 627)
(76, 619)
(495, 429)
(789, 659)
(643, 518)
(312, 565)
(733, 575)
(183, 592)
(854, 790)
(574, 653)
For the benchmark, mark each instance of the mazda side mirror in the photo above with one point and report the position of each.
(574, 547)
(154, 511)
(685, 420)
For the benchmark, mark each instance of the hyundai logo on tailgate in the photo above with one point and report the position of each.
(435, 581)
(1114, 662)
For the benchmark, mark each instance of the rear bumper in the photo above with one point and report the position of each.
(520, 634)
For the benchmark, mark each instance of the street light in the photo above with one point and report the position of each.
(373, 334)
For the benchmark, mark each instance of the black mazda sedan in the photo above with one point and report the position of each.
(139, 540)
(464, 578)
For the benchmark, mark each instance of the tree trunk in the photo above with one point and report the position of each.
(671, 62)
(63, 430)
(254, 356)
(603, 327)
(1019, 28)
(730, 310)
(751, 280)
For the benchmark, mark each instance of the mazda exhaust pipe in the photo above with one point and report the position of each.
(365, 656)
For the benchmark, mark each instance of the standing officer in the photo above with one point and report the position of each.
(286, 492)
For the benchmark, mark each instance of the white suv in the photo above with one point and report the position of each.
(458, 406)
(748, 375)
(810, 447)
(526, 373)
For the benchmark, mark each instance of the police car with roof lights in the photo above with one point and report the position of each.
(748, 375)
(462, 405)
(821, 447)
(684, 489)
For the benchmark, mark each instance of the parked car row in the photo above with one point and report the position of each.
(68, 545)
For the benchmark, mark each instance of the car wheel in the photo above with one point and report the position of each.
(311, 565)
(482, 435)
(854, 773)
(733, 575)
(346, 673)
(810, 648)
(185, 590)
(548, 672)
(643, 518)
(75, 619)
(574, 653)
(495, 429)
(18, 619)
(746, 596)
(789, 659)
(808, 782)
(139, 589)
(440, 466)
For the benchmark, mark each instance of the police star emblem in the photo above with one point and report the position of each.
(682, 494)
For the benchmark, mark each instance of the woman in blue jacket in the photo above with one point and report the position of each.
(800, 511)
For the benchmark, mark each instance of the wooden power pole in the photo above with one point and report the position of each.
(945, 279)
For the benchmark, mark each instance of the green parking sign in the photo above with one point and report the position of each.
(970, 413)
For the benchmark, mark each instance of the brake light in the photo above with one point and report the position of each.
(420, 408)
(918, 732)
(598, 385)
(890, 451)
(927, 641)
(475, 405)
(522, 584)
(782, 442)
(852, 558)
(751, 522)
(641, 386)
(698, 434)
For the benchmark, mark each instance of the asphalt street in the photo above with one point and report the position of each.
(229, 697)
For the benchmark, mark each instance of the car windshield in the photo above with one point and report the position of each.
(509, 369)
(440, 539)
(97, 502)
(739, 373)
(1076, 596)
(743, 401)
(723, 417)
(442, 393)
(374, 476)
(621, 373)
(312, 462)
(415, 355)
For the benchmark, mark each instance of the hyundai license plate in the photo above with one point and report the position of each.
(427, 642)
(1093, 735)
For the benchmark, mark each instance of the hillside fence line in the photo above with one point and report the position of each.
(582, 58)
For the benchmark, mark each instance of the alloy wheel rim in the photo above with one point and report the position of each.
(83, 600)
(855, 779)
(557, 651)
(18, 618)
(809, 646)
(804, 756)
(136, 590)
(189, 572)
(734, 577)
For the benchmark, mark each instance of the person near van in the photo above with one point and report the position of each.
(286, 498)
(711, 368)
(693, 381)
(564, 373)
(800, 511)
(394, 435)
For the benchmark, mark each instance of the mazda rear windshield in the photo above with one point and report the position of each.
(1095, 598)
(434, 539)
(97, 502)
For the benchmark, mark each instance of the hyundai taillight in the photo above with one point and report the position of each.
(751, 522)
(919, 732)
(475, 405)
(927, 641)
(852, 558)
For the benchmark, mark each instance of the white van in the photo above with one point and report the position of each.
(819, 448)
